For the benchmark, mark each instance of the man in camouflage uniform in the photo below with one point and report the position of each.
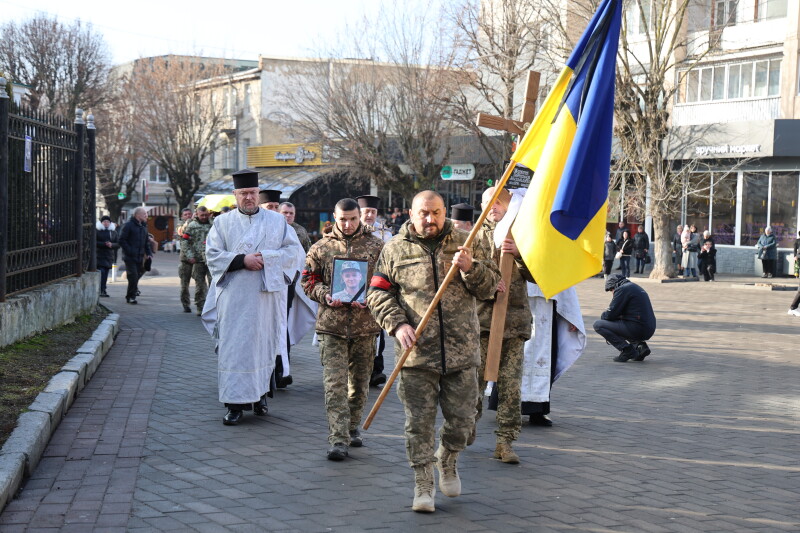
(185, 267)
(517, 331)
(195, 244)
(442, 366)
(287, 209)
(346, 330)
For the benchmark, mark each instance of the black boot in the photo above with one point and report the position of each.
(629, 352)
(378, 378)
(642, 351)
(233, 417)
(260, 407)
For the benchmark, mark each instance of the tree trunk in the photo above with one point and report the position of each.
(662, 248)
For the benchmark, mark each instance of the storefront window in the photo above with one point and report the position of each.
(723, 216)
(754, 206)
(697, 201)
(783, 208)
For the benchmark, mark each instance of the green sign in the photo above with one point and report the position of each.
(447, 172)
(121, 196)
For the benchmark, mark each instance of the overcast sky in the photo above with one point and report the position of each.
(222, 28)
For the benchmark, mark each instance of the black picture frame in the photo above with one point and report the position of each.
(343, 289)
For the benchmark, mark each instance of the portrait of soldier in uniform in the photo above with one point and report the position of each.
(349, 281)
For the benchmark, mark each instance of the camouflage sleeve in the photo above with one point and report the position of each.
(190, 243)
(523, 270)
(483, 277)
(483, 249)
(382, 297)
(313, 280)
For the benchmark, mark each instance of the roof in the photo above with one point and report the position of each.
(285, 179)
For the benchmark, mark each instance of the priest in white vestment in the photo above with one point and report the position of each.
(557, 340)
(253, 255)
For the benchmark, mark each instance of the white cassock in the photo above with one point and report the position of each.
(245, 310)
(537, 360)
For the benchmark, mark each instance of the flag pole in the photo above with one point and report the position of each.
(438, 296)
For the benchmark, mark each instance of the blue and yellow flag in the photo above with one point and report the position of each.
(560, 227)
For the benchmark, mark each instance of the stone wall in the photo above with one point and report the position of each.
(47, 307)
(732, 260)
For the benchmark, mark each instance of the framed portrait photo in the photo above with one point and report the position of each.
(349, 283)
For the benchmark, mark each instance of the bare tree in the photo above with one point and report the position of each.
(64, 66)
(384, 112)
(176, 117)
(497, 42)
(120, 158)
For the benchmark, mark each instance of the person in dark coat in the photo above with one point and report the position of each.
(767, 252)
(641, 247)
(133, 240)
(677, 250)
(629, 320)
(106, 250)
(621, 228)
(609, 254)
(707, 257)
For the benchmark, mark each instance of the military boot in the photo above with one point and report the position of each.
(506, 453)
(449, 482)
(424, 489)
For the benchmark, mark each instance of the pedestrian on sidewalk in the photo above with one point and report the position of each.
(253, 255)
(135, 243)
(625, 247)
(441, 368)
(184, 267)
(629, 320)
(107, 245)
(193, 254)
(609, 254)
(345, 327)
(641, 247)
(768, 252)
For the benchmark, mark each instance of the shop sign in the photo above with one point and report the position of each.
(458, 172)
(299, 156)
(723, 149)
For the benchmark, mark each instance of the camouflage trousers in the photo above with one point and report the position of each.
(198, 272)
(421, 390)
(509, 383)
(347, 366)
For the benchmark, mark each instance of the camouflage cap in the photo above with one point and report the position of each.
(350, 265)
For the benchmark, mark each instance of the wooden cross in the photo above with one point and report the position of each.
(506, 260)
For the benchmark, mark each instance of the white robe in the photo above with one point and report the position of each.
(246, 310)
(537, 360)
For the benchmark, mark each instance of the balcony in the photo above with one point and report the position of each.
(715, 112)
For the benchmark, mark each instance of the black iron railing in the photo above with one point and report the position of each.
(47, 197)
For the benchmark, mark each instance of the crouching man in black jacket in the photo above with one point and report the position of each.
(629, 320)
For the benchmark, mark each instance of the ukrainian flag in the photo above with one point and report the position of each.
(560, 227)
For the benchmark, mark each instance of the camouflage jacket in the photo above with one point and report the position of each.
(195, 246)
(346, 321)
(518, 314)
(407, 278)
(182, 236)
(302, 236)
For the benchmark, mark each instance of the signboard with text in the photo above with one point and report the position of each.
(458, 172)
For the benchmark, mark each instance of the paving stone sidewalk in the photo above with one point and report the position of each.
(702, 436)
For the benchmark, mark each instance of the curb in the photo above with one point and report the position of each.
(26, 444)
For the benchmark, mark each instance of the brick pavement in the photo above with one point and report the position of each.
(702, 436)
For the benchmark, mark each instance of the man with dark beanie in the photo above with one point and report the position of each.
(629, 320)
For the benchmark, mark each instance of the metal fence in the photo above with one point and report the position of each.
(47, 197)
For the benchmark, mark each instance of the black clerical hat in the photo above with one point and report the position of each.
(245, 179)
(462, 212)
(368, 201)
(269, 195)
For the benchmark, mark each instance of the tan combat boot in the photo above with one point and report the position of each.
(449, 482)
(506, 453)
(424, 489)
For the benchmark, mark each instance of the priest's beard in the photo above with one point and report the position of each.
(249, 210)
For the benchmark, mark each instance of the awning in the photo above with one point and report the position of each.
(285, 179)
(159, 211)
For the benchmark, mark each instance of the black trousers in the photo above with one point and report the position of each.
(607, 264)
(796, 301)
(103, 277)
(769, 266)
(619, 333)
(133, 271)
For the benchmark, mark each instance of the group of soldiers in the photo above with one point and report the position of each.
(400, 277)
